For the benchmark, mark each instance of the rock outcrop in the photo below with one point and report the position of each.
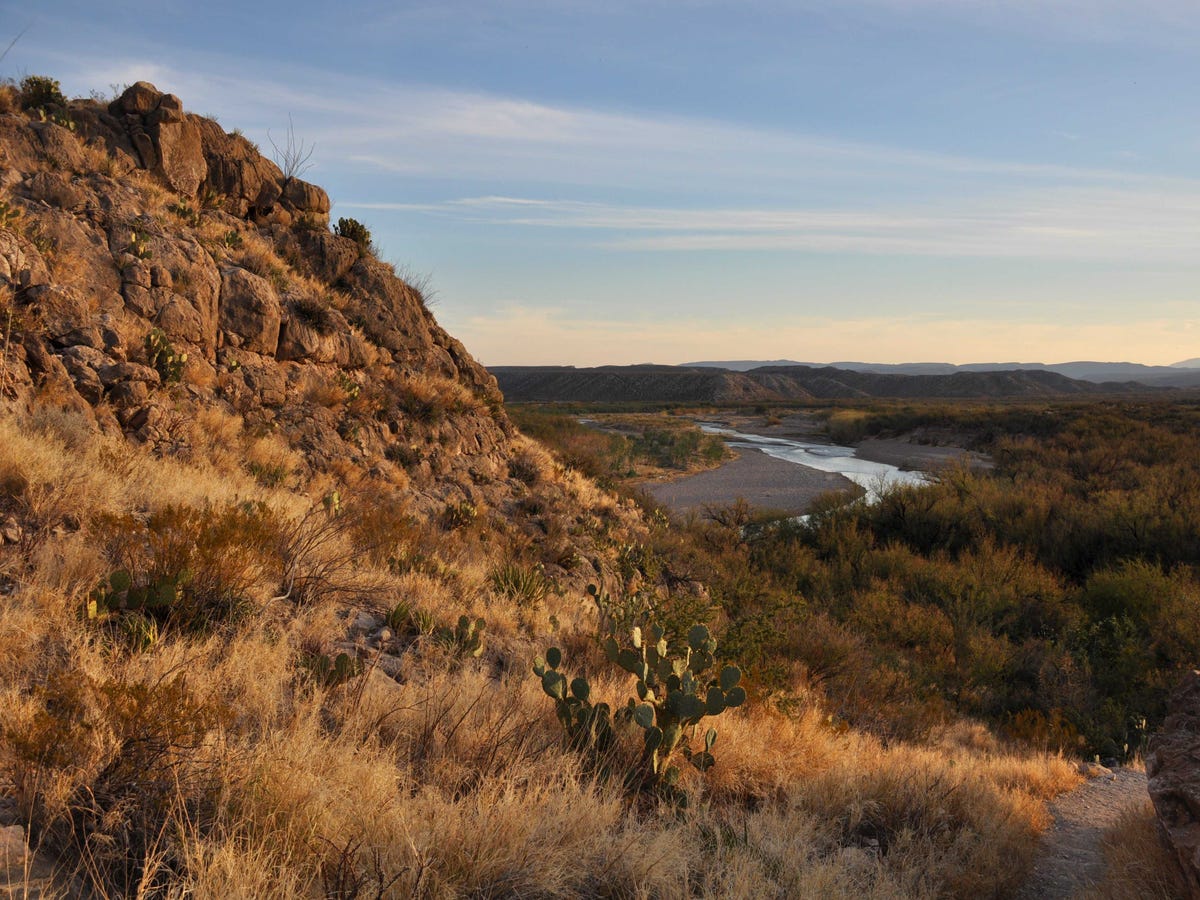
(156, 264)
(1173, 764)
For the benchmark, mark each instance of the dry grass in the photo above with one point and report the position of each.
(451, 781)
(1138, 863)
(10, 98)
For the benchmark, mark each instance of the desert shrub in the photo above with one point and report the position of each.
(524, 468)
(319, 556)
(188, 567)
(355, 231)
(404, 456)
(104, 768)
(430, 399)
(41, 92)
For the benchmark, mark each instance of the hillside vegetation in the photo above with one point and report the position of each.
(275, 568)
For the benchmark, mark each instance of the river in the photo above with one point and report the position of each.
(871, 476)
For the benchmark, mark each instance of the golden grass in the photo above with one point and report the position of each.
(452, 780)
(1138, 863)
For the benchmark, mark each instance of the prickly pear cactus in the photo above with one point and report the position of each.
(119, 593)
(588, 726)
(333, 672)
(674, 692)
(465, 638)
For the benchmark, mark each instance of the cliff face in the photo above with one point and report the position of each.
(152, 265)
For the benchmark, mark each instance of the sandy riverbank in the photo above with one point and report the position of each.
(769, 483)
(762, 481)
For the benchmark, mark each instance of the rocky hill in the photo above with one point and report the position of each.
(709, 384)
(156, 266)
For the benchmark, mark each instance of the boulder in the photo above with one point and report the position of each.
(1173, 767)
(180, 320)
(58, 309)
(181, 160)
(21, 265)
(250, 309)
(250, 183)
(323, 254)
(301, 338)
(53, 189)
(306, 199)
(138, 99)
(167, 140)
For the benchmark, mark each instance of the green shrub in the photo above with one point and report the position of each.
(355, 231)
(40, 92)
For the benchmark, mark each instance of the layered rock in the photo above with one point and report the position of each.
(1173, 765)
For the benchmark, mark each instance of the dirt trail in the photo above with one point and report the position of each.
(1070, 857)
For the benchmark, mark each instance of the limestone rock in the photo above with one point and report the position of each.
(1173, 765)
(250, 309)
(321, 337)
(323, 254)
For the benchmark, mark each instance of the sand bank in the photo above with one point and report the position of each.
(760, 480)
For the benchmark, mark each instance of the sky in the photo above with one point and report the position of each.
(586, 182)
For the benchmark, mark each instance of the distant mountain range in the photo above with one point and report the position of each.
(712, 383)
(1180, 374)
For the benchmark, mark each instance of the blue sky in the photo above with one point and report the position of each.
(615, 182)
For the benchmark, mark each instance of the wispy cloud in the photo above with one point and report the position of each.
(412, 130)
(1090, 222)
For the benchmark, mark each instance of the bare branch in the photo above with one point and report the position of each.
(293, 158)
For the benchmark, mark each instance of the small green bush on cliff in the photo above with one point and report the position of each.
(357, 232)
(40, 92)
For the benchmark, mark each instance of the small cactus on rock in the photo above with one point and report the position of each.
(162, 356)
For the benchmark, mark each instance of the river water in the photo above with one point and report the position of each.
(871, 476)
